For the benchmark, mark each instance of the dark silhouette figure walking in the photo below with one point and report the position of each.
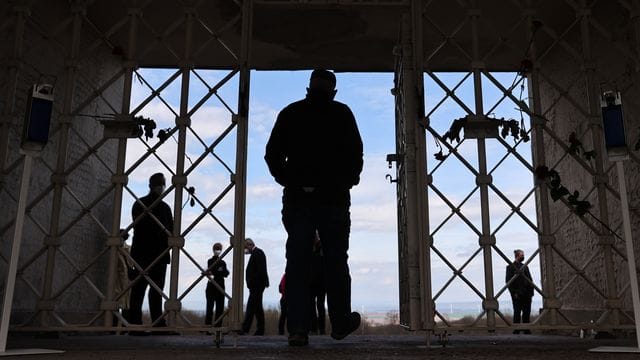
(217, 268)
(318, 292)
(283, 304)
(257, 280)
(315, 153)
(521, 289)
(150, 234)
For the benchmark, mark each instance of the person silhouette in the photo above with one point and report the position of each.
(315, 152)
(217, 268)
(153, 222)
(521, 289)
(257, 280)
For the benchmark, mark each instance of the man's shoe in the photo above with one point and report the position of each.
(298, 340)
(258, 333)
(352, 324)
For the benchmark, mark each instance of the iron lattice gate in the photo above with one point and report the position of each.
(100, 155)
(493, 129)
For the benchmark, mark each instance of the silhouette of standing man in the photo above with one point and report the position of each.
(150, 236)
(257, 281)
(315, 153)
(213, 293)
(521, 289)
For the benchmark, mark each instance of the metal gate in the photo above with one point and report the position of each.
(112, 129)
(477, 131)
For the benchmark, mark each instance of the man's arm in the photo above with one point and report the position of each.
(275, 154)
(355, 148)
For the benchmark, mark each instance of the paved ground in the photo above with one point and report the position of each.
(503, 347)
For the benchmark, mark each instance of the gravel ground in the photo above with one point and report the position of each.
(410, 346)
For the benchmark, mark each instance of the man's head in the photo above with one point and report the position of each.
(217, 249)
(322, 82)
(157, 183)
(519, 255)
(249, 245)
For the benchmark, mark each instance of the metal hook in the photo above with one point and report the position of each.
(391, 179)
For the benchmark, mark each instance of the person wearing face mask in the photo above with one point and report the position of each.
(315, 152)
(153, 225)
(257, 280)
(217, 268)
(521, 289)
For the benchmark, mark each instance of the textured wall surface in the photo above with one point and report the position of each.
(565, 103)
(44, 60)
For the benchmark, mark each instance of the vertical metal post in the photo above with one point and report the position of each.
(240, 178)
(601, 178)
(15, 251)
(490, 304)
(628, 239)
(120, 179)
(8, 116)
(52, 241)
(422, 209)
(176, 242)
(414, 169)
(545, 237)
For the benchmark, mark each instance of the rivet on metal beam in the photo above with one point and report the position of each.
(175, 241)
(172, 305)
(179, 180)
(52, 241)
(65, 120)
(129, 65)
(486, 240)
(119, 179)
(490, 304)
(115, 241)
(547, 239)
(478, 65)
(484, 179)
(109, 305)
(552, 303)
(46, 305)
(183, 120)
(613, 303)
(428, 179)
(232, 178)
(58, 179)
(429, 241)
(186, 64)
(538, 121)
(602, 179)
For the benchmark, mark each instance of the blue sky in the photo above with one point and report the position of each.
(373, 246)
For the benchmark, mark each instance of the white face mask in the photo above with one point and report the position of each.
(217, 252)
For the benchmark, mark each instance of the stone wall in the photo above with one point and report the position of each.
(45, 59)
